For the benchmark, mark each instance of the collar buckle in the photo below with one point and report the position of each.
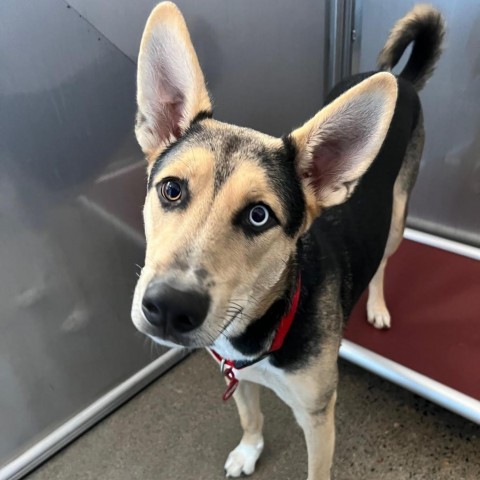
(227, 366)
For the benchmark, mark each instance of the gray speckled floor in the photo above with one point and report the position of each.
(178, 429)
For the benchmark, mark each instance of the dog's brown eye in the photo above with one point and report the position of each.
(171, 190)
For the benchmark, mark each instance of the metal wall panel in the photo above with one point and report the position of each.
(446, 199)
(263, 59)
(67, 274)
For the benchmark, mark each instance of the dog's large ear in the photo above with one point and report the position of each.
(336, 147)
(171, 89)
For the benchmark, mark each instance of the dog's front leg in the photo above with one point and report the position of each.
(242, 460)
(319, 430)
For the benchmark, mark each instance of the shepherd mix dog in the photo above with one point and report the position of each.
(259, 247)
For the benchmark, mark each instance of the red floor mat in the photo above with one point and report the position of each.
(434, 299)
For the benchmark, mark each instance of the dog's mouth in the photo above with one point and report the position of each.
(163, 335)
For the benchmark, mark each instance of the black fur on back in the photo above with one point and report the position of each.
(340, 253)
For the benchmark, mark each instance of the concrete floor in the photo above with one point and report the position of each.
(178, 429)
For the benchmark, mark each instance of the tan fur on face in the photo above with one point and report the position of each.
(248, 271)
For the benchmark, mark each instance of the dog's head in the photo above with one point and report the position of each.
(226, 205)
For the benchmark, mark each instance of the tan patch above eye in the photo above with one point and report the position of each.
(194, 164)
(248, 183)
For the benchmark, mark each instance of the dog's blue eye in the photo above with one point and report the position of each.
(254, 219)
(258, 216)
(171, 191)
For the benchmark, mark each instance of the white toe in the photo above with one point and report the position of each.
(242, 460)
(379, 318)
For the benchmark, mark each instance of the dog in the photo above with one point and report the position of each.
(259, 247)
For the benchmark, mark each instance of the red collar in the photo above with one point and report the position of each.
(227, 366)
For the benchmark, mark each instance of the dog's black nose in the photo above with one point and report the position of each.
(172, 309)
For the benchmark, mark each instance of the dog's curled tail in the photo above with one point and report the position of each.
(424, 25)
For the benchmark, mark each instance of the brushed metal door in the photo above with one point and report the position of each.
(67, 259)
(263, 59)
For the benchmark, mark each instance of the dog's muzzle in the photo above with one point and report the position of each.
(173, 311)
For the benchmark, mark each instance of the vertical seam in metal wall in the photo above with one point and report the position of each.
(332, 17)
(346, 51)
(341, 16)
(357, 36)
(326, 49)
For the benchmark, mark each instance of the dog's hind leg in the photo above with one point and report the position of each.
(377, 311)
(242, 460)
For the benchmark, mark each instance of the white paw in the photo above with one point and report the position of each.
(378, 316)
(242, 460)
